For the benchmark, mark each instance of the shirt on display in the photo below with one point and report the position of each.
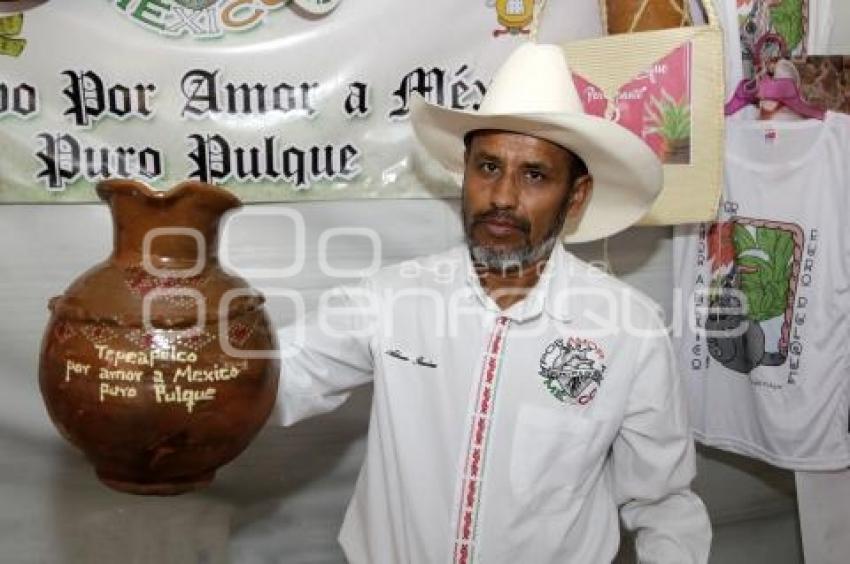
(823, 31)
(765, 296)
(503, 436)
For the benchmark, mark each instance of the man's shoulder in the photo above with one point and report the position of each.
(589, 283)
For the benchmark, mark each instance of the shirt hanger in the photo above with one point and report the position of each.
(767, 87)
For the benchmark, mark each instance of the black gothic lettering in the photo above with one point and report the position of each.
(199, 89)
(215, 159)
(205, 94)
(357, 101)
(211, 158)
(91, 99)
(64, 160)
(20, 100)
(428, 84)
(60, 157)
(457, 91)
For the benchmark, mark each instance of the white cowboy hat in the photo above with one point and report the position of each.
(533, 93)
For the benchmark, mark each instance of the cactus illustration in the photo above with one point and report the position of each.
(755, 266)
(671, 119)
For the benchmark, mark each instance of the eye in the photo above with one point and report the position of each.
(488, 167)
(534, 176)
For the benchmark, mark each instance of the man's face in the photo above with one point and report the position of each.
(517, 191)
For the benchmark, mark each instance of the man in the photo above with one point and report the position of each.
(521, 397)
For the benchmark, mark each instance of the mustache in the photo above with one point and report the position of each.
(502, 216)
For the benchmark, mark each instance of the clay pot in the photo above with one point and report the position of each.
(678, 152)
(143, 363)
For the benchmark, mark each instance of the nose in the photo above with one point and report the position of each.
(505, 193)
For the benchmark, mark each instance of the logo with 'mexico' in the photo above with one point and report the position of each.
(204, 19)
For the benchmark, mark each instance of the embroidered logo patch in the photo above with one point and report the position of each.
(572, 371)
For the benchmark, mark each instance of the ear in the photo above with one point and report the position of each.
(582, 190)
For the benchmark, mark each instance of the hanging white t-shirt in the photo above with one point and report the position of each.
(823, 17)
(765, 294)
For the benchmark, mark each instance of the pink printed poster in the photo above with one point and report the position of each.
(655, 105)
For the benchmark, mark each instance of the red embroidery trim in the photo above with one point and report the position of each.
(476, 452)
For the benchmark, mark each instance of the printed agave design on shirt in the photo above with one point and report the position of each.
(787, 18)
(572, 371)
(755, 265)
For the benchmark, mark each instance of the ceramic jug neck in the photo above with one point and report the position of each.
(167, 230)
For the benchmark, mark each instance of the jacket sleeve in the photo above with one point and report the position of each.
(653, 462)
(326, 354)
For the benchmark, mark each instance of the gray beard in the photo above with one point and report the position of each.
(511, 259)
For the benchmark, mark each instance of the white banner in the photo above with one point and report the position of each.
(277, 100)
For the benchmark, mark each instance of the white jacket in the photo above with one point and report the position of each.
(503, 436)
